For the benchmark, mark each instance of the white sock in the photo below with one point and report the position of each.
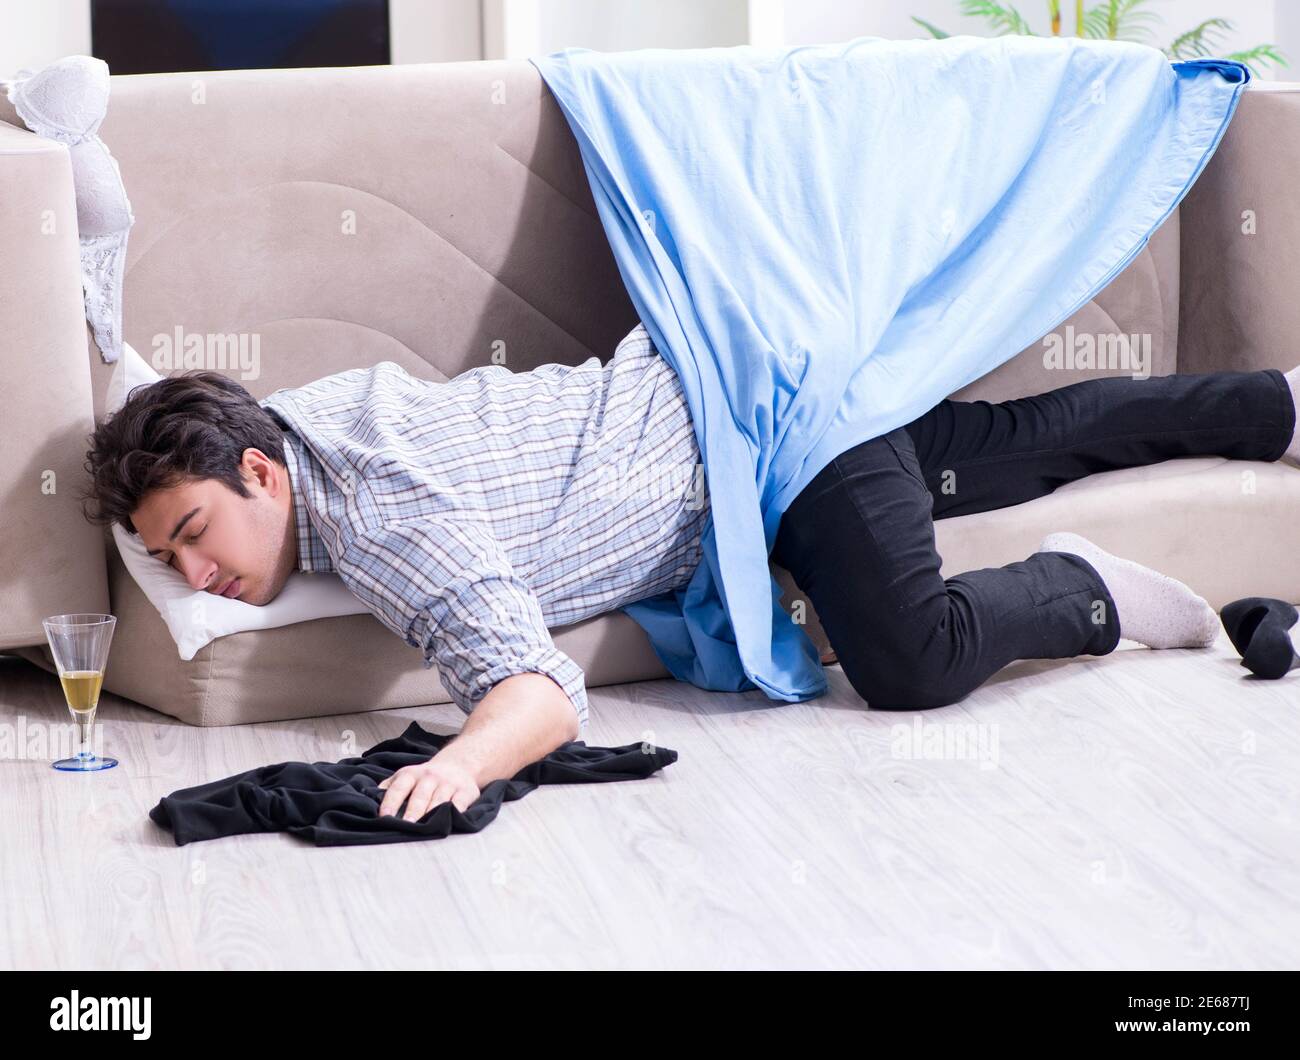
(1154, 609)
(1292, 454)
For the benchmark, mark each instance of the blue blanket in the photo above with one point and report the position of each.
(825, 242)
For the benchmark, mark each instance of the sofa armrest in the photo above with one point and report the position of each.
(51, 560)
(1239, 300)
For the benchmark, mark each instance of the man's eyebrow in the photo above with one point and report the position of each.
(179, 526)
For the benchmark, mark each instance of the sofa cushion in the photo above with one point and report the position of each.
(1185, 517)
(1211, 522)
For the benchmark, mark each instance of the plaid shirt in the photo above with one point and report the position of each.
(470, 516)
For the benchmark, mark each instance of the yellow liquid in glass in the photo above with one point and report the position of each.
(81, 688)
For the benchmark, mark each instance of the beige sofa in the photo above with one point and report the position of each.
(428, 214)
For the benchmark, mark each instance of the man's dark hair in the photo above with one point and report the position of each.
(190, 426)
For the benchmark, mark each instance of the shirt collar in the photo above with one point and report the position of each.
(312, 555)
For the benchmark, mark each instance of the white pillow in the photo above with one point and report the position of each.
(196, 618)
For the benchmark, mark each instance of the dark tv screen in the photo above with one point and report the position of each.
(164, 36)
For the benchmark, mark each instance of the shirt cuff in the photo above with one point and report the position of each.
(549, 661)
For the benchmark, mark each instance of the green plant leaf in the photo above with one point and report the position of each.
(1004, 19)
(1119, 20)
(1263, 53)
(1199, 40)
(935, 31)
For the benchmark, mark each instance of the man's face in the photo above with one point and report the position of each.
(239, 547)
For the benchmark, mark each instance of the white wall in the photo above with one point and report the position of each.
(613, 24)
(1287, 36)
(35, 32)
(433, 31)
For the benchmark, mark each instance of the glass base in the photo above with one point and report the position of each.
(85, 765)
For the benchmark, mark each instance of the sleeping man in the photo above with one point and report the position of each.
(473, 515)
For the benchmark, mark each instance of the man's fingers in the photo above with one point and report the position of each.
(425, 793)
(419, 803)
(399, 784)
(444, 792)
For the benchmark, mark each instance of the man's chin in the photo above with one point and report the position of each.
(248, 596)
(260, 597)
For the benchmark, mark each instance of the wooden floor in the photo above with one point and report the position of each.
(1136, 810)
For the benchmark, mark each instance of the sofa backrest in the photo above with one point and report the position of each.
(435, 215)
(1238, 303)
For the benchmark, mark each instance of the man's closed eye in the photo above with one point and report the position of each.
(171, 560)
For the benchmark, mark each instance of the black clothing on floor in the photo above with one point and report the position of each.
(1260, 629)
(337, 803)
(859, 540)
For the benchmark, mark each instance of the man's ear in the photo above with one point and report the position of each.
(257, 467)
(267, 471)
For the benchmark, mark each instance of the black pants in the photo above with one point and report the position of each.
(859, 538)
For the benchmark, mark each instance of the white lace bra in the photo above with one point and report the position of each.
(67, 101)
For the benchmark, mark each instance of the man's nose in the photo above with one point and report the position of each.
(198, 571)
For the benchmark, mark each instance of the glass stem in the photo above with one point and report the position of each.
(85, 722)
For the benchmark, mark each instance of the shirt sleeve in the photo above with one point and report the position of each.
(448, 588)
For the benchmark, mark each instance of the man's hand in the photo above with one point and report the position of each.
(522, 719)
(441, 779)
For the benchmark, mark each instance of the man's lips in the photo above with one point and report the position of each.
(230, 589)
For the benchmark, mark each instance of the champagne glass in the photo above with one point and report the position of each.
(79, 644)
